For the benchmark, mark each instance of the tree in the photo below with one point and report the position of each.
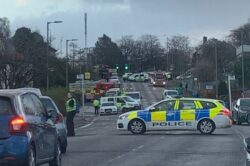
(107, 52)
(238, 36)
(179, 53)
(226, 57)
(33, 48)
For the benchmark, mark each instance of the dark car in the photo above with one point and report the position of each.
(28, 136)
(247, 150)
(58, 120)
(241, 111)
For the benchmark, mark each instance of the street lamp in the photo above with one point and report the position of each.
(48, 44)
(67, 60)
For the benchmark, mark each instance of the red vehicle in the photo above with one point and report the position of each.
(159, 79)
(102, 86)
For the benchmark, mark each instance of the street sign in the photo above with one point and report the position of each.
(87, 75)
(231, 77)
(79, 76)
(209, 87)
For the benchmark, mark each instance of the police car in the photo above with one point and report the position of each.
(204, 115)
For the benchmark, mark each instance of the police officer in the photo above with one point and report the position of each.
(96, 105)
(71, 112)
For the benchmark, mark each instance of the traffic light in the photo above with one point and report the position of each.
(117, 66)
(126, 66)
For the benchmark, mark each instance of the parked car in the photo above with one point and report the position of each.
(168, 94)
(58, 119)
(114, 79)
(241, 111)
(27, 125)
(247, 150)
(108, 108)
(126, 75)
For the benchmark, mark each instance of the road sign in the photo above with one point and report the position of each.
(87, 75)
(231, 77)
(209, 87)
(79, 76)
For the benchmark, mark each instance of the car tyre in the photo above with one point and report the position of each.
(233, 118)
(31, 157)
(206, 126)
(64, 147)
(137, 126)
(238, 121)
(57, 161)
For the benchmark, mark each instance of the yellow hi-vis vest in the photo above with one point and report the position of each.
(70, 105)
(96, 103)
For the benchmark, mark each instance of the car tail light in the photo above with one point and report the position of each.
(225, 112)
(59, 118)
(18, 125)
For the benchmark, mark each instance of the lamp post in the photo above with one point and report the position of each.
(48, 44)
(242, 62)
(67, 60)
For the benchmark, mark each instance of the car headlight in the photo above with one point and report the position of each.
(123, 117)
(153, 82)
(164, 83)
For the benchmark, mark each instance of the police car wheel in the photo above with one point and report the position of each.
(206, 126)
(137, 126)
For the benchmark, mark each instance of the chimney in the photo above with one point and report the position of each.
(204, 39)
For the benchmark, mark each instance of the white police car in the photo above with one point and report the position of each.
(206, 115)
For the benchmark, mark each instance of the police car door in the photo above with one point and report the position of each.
(160, 115)
(186, 120)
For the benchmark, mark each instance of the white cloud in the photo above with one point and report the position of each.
(21, 3)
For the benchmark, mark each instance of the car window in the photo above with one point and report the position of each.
(48, 104)
(245, 102)
(39, 108)
(5, 106)
(28, 105)
(207, 105)
(166, 105)
(186, 104)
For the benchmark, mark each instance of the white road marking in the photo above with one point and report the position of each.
(120, 156)
(87, 125)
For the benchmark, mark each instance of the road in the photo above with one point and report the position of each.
(100, 144)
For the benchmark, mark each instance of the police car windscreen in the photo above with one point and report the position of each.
(134, 95)
(108, 104)
(5, 106)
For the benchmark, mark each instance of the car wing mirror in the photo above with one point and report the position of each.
(152, 109)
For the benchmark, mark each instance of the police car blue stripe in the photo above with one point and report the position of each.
(177, 115)
(145, 115)
(170, 115)
(201, 114)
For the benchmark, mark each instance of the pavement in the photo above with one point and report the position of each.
(84, 117)
(98, 143)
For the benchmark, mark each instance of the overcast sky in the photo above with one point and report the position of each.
(163, 18)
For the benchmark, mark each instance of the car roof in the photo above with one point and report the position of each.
(34, 90)
(132, 92)
(11, 92)
(45, 97)
(170, 90)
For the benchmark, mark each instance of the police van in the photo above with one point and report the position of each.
(204, 115)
